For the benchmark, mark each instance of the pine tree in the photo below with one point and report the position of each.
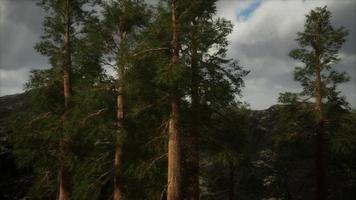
(51, 91)
(195, 14)
(122, 21)
(319, 45)
(171, 66)
(64, 11)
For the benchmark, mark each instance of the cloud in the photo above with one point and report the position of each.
(262, 44)
(261, 41)
(12, 81)
(20, 29)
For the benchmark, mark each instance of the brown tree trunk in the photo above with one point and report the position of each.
(64, 177)
(67, 87)
(320, 171)
(174, 153)
(64, 186)
(118, 179)
(174, 137)
(118, 182)
(194, 192)
(121, 131)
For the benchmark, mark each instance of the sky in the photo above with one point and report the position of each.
(264, 33)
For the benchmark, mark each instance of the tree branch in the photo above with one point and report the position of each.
(96, 113)
(149, 50)
(44, 115)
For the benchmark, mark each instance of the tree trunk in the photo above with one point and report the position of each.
(64, 184)
(118, 182)
(64, 177)
(67, 87)
(194, 128)
(118, 179)
(232, 182)
(174, 153)
(320, 173)
(174, 137)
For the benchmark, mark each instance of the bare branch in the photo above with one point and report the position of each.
(43, 116)
(96, 113)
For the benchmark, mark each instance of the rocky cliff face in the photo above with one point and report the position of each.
(262, 126)
(9, 106)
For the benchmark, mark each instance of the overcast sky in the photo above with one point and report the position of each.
(264, 33)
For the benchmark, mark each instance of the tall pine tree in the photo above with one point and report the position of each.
(62, 30)
(123, 19)
(319, 45)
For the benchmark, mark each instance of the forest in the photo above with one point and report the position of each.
(142, 102)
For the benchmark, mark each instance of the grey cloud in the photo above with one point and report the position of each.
(263, 42)
(19, 31)
(344, 14)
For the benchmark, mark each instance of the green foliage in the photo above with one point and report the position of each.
(319, 45)
(254, 154)
(293, 162)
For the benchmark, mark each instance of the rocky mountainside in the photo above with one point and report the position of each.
(9, 106)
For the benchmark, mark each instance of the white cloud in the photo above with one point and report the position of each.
(262, 44)
(12, 81)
